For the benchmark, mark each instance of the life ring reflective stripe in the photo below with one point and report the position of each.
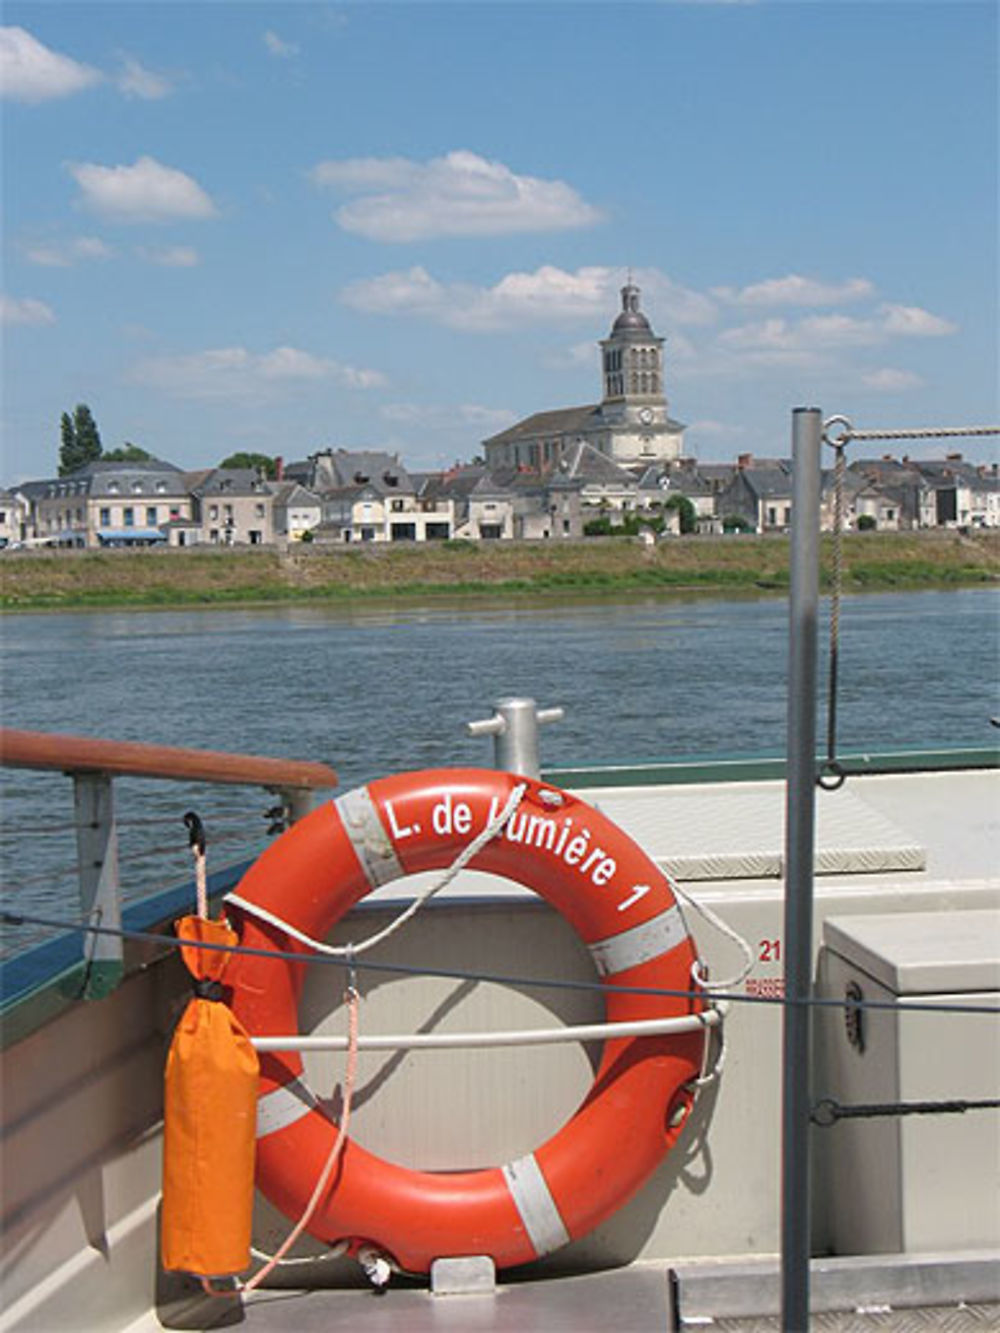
(622, 907)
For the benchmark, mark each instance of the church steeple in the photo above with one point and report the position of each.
(632, 360)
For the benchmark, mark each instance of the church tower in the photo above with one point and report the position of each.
(632, 363)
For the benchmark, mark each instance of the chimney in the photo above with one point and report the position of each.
(744, 461)
(279, 468)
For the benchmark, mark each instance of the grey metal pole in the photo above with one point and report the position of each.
(514, 728)
(800, 817)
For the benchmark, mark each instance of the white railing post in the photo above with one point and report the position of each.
(100, 897)
(297, 801)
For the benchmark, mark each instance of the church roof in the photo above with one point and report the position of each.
(560, 421)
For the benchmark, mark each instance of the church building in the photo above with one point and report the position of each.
(630, 425)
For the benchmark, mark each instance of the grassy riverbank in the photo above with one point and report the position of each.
(36, 580)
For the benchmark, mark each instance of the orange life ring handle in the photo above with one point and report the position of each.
(622, 907)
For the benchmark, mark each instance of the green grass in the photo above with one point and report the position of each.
(201, 577)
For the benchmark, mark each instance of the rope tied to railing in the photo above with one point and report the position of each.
(495, 978)
(831, 774)
(827, 1112)
(905, 433)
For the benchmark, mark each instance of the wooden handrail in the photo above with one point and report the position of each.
(82, 754)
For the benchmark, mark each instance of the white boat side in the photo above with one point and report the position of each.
(82, 1097)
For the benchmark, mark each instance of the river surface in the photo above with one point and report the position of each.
(374, 689)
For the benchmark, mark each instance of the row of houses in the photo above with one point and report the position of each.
(340, 496)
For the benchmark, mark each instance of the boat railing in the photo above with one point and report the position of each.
(93, 765)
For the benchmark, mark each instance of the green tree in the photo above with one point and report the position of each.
(685, 512)
(736, 523)
(67, 446)
(127, 453)
(255, 461)
(80, 440)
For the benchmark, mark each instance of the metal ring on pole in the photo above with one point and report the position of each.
(824, 1113)
(837, 441)
(831, 776)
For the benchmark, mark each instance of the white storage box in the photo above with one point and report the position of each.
(912, 1183)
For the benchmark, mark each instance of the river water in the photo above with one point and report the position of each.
(375, 689)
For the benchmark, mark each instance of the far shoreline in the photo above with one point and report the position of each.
(207, 578)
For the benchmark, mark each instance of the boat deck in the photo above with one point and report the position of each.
(79, 1230)
(874, 1296)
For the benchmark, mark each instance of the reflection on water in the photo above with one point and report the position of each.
(374, 689)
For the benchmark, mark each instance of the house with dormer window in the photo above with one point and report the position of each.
(369, 496)
(108, 504)
(233, 506)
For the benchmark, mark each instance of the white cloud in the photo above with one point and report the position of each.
(288, 363)
(444, 416)
(549, 295)
(25, 310)
(778, 338)
(134, 80)
(888, 380)
(236, 372)
(170, 256)
(796, 290)
(31, 72)
(910, 321)
(460, 194)
(282, 50)
(147, 191)
(672, 303)
(64, 254)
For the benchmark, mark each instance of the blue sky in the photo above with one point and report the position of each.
(280, 227)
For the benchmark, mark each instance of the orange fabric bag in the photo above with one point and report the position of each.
(210, 1124)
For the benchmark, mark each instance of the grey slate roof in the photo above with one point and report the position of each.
(233, 481)
(103, 465)
(559, 421)
(764, 482)
(334, 469)
(678, 481)
(103, 478)
(291, 493)
(582, 462)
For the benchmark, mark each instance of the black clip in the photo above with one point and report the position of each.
(278, 816)
(837, 775)
(207, 989)
(196, 832)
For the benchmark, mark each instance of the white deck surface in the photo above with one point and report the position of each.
(905, 829)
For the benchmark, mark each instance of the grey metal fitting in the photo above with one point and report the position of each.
(514, 728)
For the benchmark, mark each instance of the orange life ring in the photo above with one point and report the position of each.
(622, 907)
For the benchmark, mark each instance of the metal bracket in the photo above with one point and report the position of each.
(470, 1275)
